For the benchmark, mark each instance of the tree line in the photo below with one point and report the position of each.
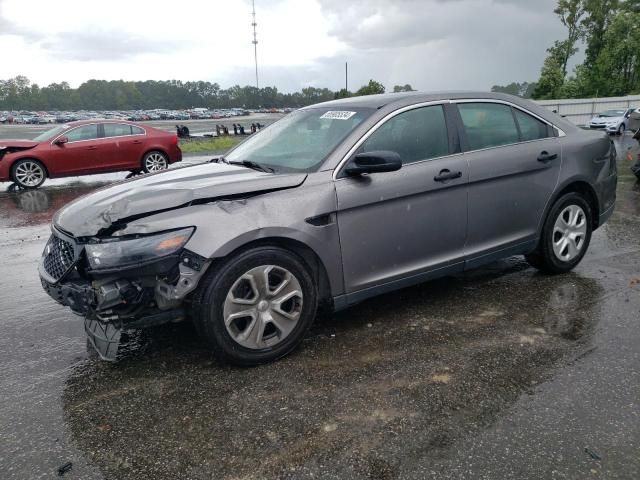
(609, 30)
(19, 93)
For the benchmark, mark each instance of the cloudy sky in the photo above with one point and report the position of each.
(431, 44)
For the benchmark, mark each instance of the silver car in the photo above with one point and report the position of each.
(612, 121)
(331, 205)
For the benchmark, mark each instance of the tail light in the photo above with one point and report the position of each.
(174, 140)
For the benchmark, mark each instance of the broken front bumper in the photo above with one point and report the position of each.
(134, 296)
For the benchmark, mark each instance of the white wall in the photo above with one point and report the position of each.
(580, 110)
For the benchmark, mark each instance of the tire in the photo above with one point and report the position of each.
(621, 129)
(277, 317)
(154, 161)
(28, 173)
(563, 244)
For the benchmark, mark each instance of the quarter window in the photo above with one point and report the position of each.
(136, 130)
(488, 125)
(418, 134)
(85, 132)
(116, 129)
(530, 128)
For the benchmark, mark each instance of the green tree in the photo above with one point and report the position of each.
(403, 88)
(551, 79)
(372, 88)
(617, 68)
(343, 93)
(571, 13)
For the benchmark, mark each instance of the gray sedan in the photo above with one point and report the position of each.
(331, 205)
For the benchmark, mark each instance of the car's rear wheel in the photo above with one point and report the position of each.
(28, 173)
(565, 236)
(155, 162)
(256, 307)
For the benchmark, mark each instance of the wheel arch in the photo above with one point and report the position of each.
(582, 187)
(148, 150)
(310, 257)
(28, 157)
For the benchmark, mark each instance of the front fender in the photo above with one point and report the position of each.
(223, 226)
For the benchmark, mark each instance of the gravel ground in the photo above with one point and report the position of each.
(501, 373)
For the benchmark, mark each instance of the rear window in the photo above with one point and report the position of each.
(488, 125)
(530, 128)
(116, 129)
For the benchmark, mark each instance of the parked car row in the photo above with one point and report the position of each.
(40, 118)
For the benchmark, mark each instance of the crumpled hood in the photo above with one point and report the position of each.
(18, 144)
(96, 211)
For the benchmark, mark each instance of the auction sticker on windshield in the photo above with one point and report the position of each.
(338, 115)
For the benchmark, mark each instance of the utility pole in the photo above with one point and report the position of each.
(346, 76)
(255, 40)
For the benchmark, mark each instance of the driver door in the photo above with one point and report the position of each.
(398, 228)
(84, 152)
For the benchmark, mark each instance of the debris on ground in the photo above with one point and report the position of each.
(64, 468)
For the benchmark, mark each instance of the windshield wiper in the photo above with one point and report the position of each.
(254, 166)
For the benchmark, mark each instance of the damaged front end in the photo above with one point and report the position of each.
(118, 283)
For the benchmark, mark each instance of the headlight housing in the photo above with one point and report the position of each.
(116, 252)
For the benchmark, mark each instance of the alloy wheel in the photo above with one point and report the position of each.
(263, 307)
(569, 233)
(155, 162)
(29, 174)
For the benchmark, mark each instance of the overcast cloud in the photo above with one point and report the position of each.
(431, 44)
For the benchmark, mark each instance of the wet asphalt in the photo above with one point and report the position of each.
(500, 373)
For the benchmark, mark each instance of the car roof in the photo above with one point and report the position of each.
(77, 123)
(401, 98)
(392, 101)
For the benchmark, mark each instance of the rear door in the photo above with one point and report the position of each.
(127, 144)
(395, 226)
(514, 164)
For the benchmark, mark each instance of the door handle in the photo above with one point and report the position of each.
(92, 148)
(137, 142)
(545, 156)
(446, 175)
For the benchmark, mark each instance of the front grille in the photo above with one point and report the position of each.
(59, 256)
(598, 126)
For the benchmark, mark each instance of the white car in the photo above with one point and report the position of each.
(613, 121)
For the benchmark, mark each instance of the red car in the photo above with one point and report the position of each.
(87, 147)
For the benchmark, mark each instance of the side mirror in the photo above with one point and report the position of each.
(61, 140)
(374, 162)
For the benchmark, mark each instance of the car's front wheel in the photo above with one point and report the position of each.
(565, 235)
(256, 307)
(621, 129)
(155, 162)
(28, 173)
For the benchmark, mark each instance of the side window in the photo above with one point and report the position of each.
(488, 125)
(116, 129)
(530, 128)
(136, 130)
(418, 134)
(85, 132)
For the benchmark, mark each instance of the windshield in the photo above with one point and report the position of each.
(300, 141)
(612, 113)
(51, 133)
